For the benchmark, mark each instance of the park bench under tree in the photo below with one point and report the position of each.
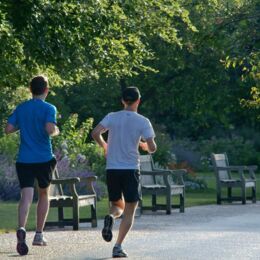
(72, 200)
(161, 182)
(226, 178)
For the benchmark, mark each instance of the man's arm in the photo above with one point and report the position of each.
(52, 129)
(10, 129)
(97, 136)
(149, 146)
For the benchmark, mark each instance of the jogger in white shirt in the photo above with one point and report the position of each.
(125, 129)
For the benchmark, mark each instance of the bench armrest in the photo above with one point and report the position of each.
(89, 182)
(166, 174)
(156, 172)
(71, 181)
(88, 179)
(62, 181)
(240, 169)
(159, 172)
(179, 174)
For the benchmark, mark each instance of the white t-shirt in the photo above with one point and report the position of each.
(125, 129)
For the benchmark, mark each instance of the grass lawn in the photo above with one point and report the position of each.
(8, 210)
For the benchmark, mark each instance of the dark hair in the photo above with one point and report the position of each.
(130, 95)
(38, 85)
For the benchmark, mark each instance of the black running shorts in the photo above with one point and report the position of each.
(28, 172)
(126, 182)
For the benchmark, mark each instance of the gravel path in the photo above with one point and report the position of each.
(203, 232)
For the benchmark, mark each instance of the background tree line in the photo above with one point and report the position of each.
(196, 62)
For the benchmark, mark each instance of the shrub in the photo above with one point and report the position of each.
(197, 153)
(9, 146)
(239, 150)
(9, 187)
(163, 154)
(73, 142)
(80, 169)
(190, 179)
(76, 156)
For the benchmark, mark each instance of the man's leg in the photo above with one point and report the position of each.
(117, 208)
(44, 177)
(42, 208)
(42, 212)
(24, 206)
(127, 221)
(124, 228)
(23, 210)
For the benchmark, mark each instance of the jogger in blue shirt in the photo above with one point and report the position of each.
(35, 119)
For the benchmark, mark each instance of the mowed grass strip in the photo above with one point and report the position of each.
(8, 210)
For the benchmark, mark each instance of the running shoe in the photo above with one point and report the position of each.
(119, 252)
(107, 230)
(21, 247)
(39, 240)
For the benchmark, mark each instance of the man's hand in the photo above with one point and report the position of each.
(143, 146)
(97, 136)
(148, 146)
(10, 129)
(52, 129)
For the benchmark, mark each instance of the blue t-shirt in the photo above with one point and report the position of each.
(30, 117)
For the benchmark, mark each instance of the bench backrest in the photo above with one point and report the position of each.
(146, 164)
(220, 160)
(55, 189)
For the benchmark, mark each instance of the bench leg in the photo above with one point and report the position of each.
(229, 191)
(75, 216)
(243, 195)
(60, 216)
(182, 200)
(218, 196)
(154, 202)
(168, 203)
(254, 194)
(93, 215)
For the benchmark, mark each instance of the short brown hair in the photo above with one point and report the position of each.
(131, 94)
(38, 85)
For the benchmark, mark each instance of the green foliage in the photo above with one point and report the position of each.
(74, 137)
(9, 146)
(93, 98)
(163, 154)
(78, 39)
(76, 42)
(73, 143)
(244, 57)
(196, 62)
(240, 151)
(194, 92)
(11, 53)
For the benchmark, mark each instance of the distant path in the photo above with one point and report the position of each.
(204, 232)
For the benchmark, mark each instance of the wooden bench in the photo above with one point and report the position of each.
(164, 182)
(225, 179)
(72, 200)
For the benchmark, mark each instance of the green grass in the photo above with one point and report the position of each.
(8, 214)
(8, 210)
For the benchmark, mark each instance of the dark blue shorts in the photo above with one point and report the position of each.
(124, 182)
(42, 172)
